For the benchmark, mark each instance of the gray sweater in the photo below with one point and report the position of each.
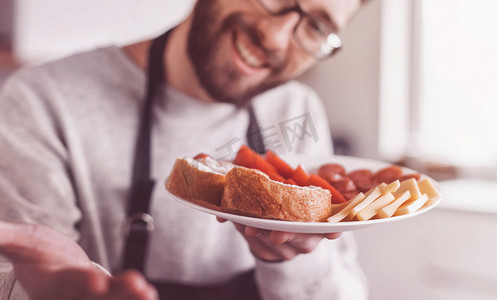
(67, 135)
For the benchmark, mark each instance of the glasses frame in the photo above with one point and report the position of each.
(327, 31)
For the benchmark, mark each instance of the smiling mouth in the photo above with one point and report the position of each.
(249, 54)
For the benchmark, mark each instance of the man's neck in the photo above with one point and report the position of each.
(179, 70)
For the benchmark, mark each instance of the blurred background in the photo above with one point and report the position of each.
(416, 84)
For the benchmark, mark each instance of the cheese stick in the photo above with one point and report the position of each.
(412, 206)
(389, 210)
(373, 195)
(373, 208)
(390, 188)
(427, 187)
(346, 210)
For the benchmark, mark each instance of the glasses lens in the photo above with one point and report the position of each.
(315, 39)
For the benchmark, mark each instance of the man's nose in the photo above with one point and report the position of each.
(276, 31)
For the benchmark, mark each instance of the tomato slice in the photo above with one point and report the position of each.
(248, 158)
(280, 165)
(300, 176)
(336, 196)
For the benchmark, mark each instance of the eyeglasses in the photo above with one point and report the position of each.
(310, 33)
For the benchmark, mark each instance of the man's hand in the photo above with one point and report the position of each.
(277, 246)
(51, 266)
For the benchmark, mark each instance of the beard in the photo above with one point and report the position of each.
(219, 77)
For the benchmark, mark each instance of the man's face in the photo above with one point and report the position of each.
(238, 50)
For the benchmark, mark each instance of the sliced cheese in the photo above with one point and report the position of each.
(411, 206)
(427, 187)
(346, 210)
(372, 209)
(389, 210)
(410, 185)
(390, 188)
(380, 186)
(372, 195)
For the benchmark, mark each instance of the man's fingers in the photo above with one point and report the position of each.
(65, 284)
(279, 237)
(255, 232)
(13, 235)
(278, 245)
(333, 235)
(28, 243)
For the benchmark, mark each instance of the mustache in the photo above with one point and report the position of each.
(274, 59)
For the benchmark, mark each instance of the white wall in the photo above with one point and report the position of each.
(349, 83)
(53, 28)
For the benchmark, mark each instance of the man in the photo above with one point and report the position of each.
(68, 134)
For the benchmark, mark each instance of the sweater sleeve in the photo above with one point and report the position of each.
(35, 180)
(10, 288)
(35, 184)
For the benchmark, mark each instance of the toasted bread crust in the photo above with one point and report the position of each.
(190, 183)
(251, 193)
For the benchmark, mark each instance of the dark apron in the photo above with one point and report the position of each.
(139, 224)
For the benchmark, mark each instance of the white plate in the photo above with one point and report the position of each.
(311, 164)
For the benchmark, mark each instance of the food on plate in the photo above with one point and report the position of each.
(362, 179)
(200, 179)
(341, 214)
(388, 210)
(388, 174)
(277, 169)
(384, 201)
(266, 186)
(236, 189)
(349, 184)
(252, 193)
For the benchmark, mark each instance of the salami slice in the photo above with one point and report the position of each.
(362, 179)
(332, 169)
(344, 185)
(332, 172)
(350, 194)
(333, 177)
(387, 175)
(416, 176)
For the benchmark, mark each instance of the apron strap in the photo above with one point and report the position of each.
(139, 224)
(254, 136)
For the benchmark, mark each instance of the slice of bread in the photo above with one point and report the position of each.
(252, 193)
(198, 180)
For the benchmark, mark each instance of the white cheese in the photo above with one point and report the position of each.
(373, 195)
(373, 208)
(392, 187)
(411, 207)
(427, 187)
(389, 210)
(346, 210)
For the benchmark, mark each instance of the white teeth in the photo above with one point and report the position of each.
(247, 55)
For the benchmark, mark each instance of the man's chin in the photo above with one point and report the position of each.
(240, 99)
